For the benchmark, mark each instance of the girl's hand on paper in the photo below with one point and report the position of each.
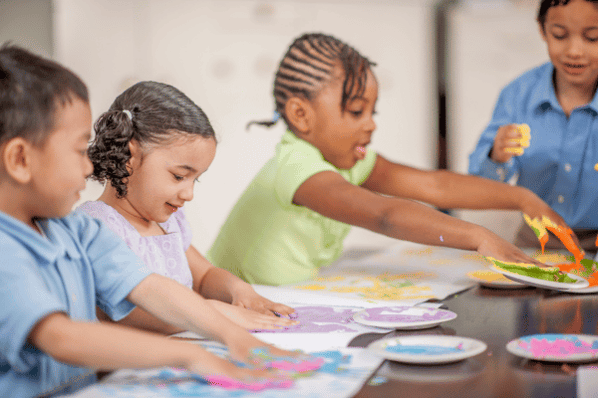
(251, 320)
(246, 297)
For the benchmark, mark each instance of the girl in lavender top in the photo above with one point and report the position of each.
(149, 149)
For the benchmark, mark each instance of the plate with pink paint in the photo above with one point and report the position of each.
(427, 349)
(403, 317)
(556, 347)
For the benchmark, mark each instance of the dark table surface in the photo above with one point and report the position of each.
(495, 317)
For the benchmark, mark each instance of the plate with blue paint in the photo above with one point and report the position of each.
(427, 349)
(403, 317)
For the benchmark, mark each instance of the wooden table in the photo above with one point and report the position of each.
(494, 317)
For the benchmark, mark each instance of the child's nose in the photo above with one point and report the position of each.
(87, 167)
(186, 193)
(575, 48)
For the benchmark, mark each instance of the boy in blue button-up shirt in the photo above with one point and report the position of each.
(55, 267)
(559, 103)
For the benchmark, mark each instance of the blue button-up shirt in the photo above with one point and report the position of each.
(559, 163)
(78, 264)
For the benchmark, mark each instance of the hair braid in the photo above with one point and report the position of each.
(308, 66)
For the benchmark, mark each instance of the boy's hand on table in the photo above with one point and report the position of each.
(250, 320)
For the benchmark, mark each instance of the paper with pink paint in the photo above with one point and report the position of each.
(342, 375)
(556, 347)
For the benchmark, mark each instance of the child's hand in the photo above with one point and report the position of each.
(248, 298)
(224, 373)
(496, 247)
(505, 144)
(537, 208)
(249, 319)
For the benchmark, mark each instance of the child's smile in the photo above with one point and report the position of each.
(571, 34)
(163, 177)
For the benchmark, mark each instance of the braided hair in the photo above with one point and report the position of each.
(150, 113)
(308, 66)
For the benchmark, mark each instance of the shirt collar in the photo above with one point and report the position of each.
(543, 94)
(47, 249)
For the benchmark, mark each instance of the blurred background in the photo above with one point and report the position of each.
(440, 66)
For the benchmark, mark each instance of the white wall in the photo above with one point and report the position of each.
(223, 54)
(490, 43)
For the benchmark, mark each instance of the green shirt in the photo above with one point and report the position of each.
(267, 239)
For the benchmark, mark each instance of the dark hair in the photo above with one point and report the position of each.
(308, 65)
(546, 4)
(31, 89)
(150, 113)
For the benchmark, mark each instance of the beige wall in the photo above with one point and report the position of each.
(223, 54)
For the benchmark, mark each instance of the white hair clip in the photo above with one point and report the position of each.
(128, 113)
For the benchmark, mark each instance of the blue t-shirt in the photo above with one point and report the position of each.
(559, 163)
(77, 264)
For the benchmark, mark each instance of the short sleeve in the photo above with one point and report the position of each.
(294, 169)
(25, 301)
(184, 227)
(117, 270)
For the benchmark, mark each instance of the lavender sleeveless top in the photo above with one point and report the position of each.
(163, 254)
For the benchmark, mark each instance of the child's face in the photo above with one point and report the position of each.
(59, 167)
(163, 177)
(343, 136)
(571, 35)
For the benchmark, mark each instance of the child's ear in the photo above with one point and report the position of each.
(135, 158)
(299, 114)
(542, 30)
(15, 160)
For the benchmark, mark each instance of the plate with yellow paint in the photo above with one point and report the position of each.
(494, 280)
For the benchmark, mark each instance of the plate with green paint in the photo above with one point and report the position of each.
(547, 278)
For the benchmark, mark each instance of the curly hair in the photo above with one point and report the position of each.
(308, 66)
(150, 113)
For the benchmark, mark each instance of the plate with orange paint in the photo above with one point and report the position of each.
(587, 269)
(494, 280)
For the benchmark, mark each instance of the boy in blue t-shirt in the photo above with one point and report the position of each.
(55, 267)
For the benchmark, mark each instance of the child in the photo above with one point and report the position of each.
(56, 267)
(152, 146)
(558, 101)
(293, 217)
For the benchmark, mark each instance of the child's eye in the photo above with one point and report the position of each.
(559, 36)
(356, 113)
(177, 177)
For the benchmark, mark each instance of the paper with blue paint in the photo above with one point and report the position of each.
(343, 374)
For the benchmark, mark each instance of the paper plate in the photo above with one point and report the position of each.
(556, 347)
(403, 317)
(528, 280)
(494, 279)
(427, 349)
